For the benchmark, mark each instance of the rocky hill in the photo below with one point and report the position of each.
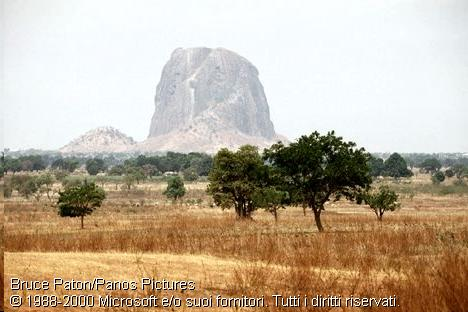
(100, 140)
(208, 99)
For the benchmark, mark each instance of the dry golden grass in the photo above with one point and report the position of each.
(418, 253)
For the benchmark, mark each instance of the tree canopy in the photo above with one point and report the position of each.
(430, 165)
(80, 200)
(175, 188)
(381, 200)
(396, 167)
(318, 167)
(235, 179)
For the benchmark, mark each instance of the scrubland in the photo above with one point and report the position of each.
(418, 254)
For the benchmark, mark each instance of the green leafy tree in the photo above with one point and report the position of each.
(95, 165)
(271, 199)
(396, 167)
(235, 178)
(430, 165)
(381, 200)
(81, 200)
(376, 166)
(317, 168)
(175, 188)
(438, 177)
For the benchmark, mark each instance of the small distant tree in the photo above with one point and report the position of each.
(460, 171)
(190, 174)
(26, 185)
(175, 188)
(396, 167)
(95, 165)
(380, 200)
(449, 173)
(81, 200)
(430, 165)
(67, 164)
(117, 170)
(45, 182)
(150, 170)
(271, 199)
(376, 166)
(438, 177)
(129, 180)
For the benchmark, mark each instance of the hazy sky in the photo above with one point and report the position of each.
(389, 75)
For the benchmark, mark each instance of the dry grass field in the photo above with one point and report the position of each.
(418, 254)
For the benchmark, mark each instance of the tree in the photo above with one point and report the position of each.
(95, 165)
(376, 166)
(271, 199)
(129, 180)
(25, 185)
(396, 167)
(45, 182)
(438, 177)
(175, 188)
(81, 200)
(67, 164)
(460, 171)
(449, 173)
(136, 172)
(150, 170)
(317, 168)
(190, 174)
(235, 178)
(381, 200)
(430, 165)
(117, 170)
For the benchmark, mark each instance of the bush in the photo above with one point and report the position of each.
(438, 177)
(175, 188)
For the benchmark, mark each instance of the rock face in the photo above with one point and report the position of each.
(208, 99)
(100, 140)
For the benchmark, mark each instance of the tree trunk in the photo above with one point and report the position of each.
(318, 222)
(82, 219)
(275, 213)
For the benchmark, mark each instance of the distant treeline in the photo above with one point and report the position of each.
(198, 163)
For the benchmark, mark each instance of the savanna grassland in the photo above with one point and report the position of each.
(418, 254)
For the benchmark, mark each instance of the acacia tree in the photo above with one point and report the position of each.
(317, 168)
(236, 177)
(80, 200)
(381, 200)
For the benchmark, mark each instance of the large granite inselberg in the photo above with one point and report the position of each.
(208, 99)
